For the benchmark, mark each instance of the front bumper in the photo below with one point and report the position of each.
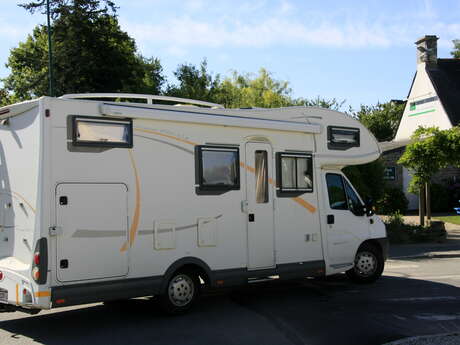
(385, 245)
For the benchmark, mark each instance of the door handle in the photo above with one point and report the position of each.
(330, 219)
(251, 217)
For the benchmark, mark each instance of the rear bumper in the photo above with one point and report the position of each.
(17, 293)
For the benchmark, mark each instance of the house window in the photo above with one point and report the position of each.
(342, 138)
(102, 132)
(294, 172)
(218, 168)
(389, 173)
(413, 105)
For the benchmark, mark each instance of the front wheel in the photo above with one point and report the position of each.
(181, 292)
(368, 266)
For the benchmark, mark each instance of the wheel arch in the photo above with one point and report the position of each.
(189, 262)
(381, 244)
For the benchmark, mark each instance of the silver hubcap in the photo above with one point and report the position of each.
(181, 290)
(365, 264)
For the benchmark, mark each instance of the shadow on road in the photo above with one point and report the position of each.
(307, 312)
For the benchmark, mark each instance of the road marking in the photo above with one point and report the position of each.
(438, 317)
(423, 299)
(402, 266)
(452, 276)
(410, 276)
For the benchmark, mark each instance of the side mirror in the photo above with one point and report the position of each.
(369, 207)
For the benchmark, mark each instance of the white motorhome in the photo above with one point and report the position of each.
(103, 200)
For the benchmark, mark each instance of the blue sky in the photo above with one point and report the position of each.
(358, 51)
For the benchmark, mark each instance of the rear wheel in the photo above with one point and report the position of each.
(181, 292)
(368, 265)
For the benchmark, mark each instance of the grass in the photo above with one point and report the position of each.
(450, 219)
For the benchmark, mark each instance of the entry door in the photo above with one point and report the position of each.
(92, 223)
(346, 227)
(260, 216)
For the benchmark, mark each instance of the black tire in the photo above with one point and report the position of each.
(368, 265)
(181, 292)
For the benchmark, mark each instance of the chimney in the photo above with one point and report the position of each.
(427, 50)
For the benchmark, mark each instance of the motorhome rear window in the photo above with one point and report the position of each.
(342, 138)
(218, 168)
(294, 172)
(90, 131)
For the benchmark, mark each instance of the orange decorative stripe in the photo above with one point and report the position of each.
(305, 204)
(298, 200)
(17, 294)
(19, 196)
(166, 136)
(137, 211)
(43, 294)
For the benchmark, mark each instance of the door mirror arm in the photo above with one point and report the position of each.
(369, 207)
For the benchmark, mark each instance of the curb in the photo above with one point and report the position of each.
(432, 255)
(412, 340)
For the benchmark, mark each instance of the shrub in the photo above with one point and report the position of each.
(392, 201)
(399, 232)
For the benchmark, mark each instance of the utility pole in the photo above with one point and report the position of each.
(50, 52)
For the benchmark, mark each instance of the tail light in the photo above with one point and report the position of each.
(1, 276)
(40, 261)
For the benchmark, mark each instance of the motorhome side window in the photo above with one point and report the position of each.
(336, 191)
(342, 138)
(102, 132)
(218, 168)
(294, 172)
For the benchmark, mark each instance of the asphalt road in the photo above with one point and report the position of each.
(414, 297)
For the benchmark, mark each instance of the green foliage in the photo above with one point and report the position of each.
(367, 179)
(382, 119)
(431, 149)
(450, 219)
(321, 102)
(62, 7)
(248, 90)
(91, 54)
(6, 98)
(392, 201)
(239, 90)
(194, 83)
(400, 232)
(456, 52)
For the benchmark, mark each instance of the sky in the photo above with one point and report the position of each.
(362, 52)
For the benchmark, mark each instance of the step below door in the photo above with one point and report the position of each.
(93, 226)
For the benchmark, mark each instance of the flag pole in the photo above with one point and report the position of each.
(50, 52)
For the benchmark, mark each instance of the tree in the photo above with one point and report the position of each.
(64, 7)
(91, 54)
(367, 179)
(254, 90)
(431, 150)
(382, 119)
(194, 83)
(456, 52)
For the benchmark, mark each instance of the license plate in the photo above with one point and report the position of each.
(3, 296)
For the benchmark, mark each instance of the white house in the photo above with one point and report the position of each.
(433, 100)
